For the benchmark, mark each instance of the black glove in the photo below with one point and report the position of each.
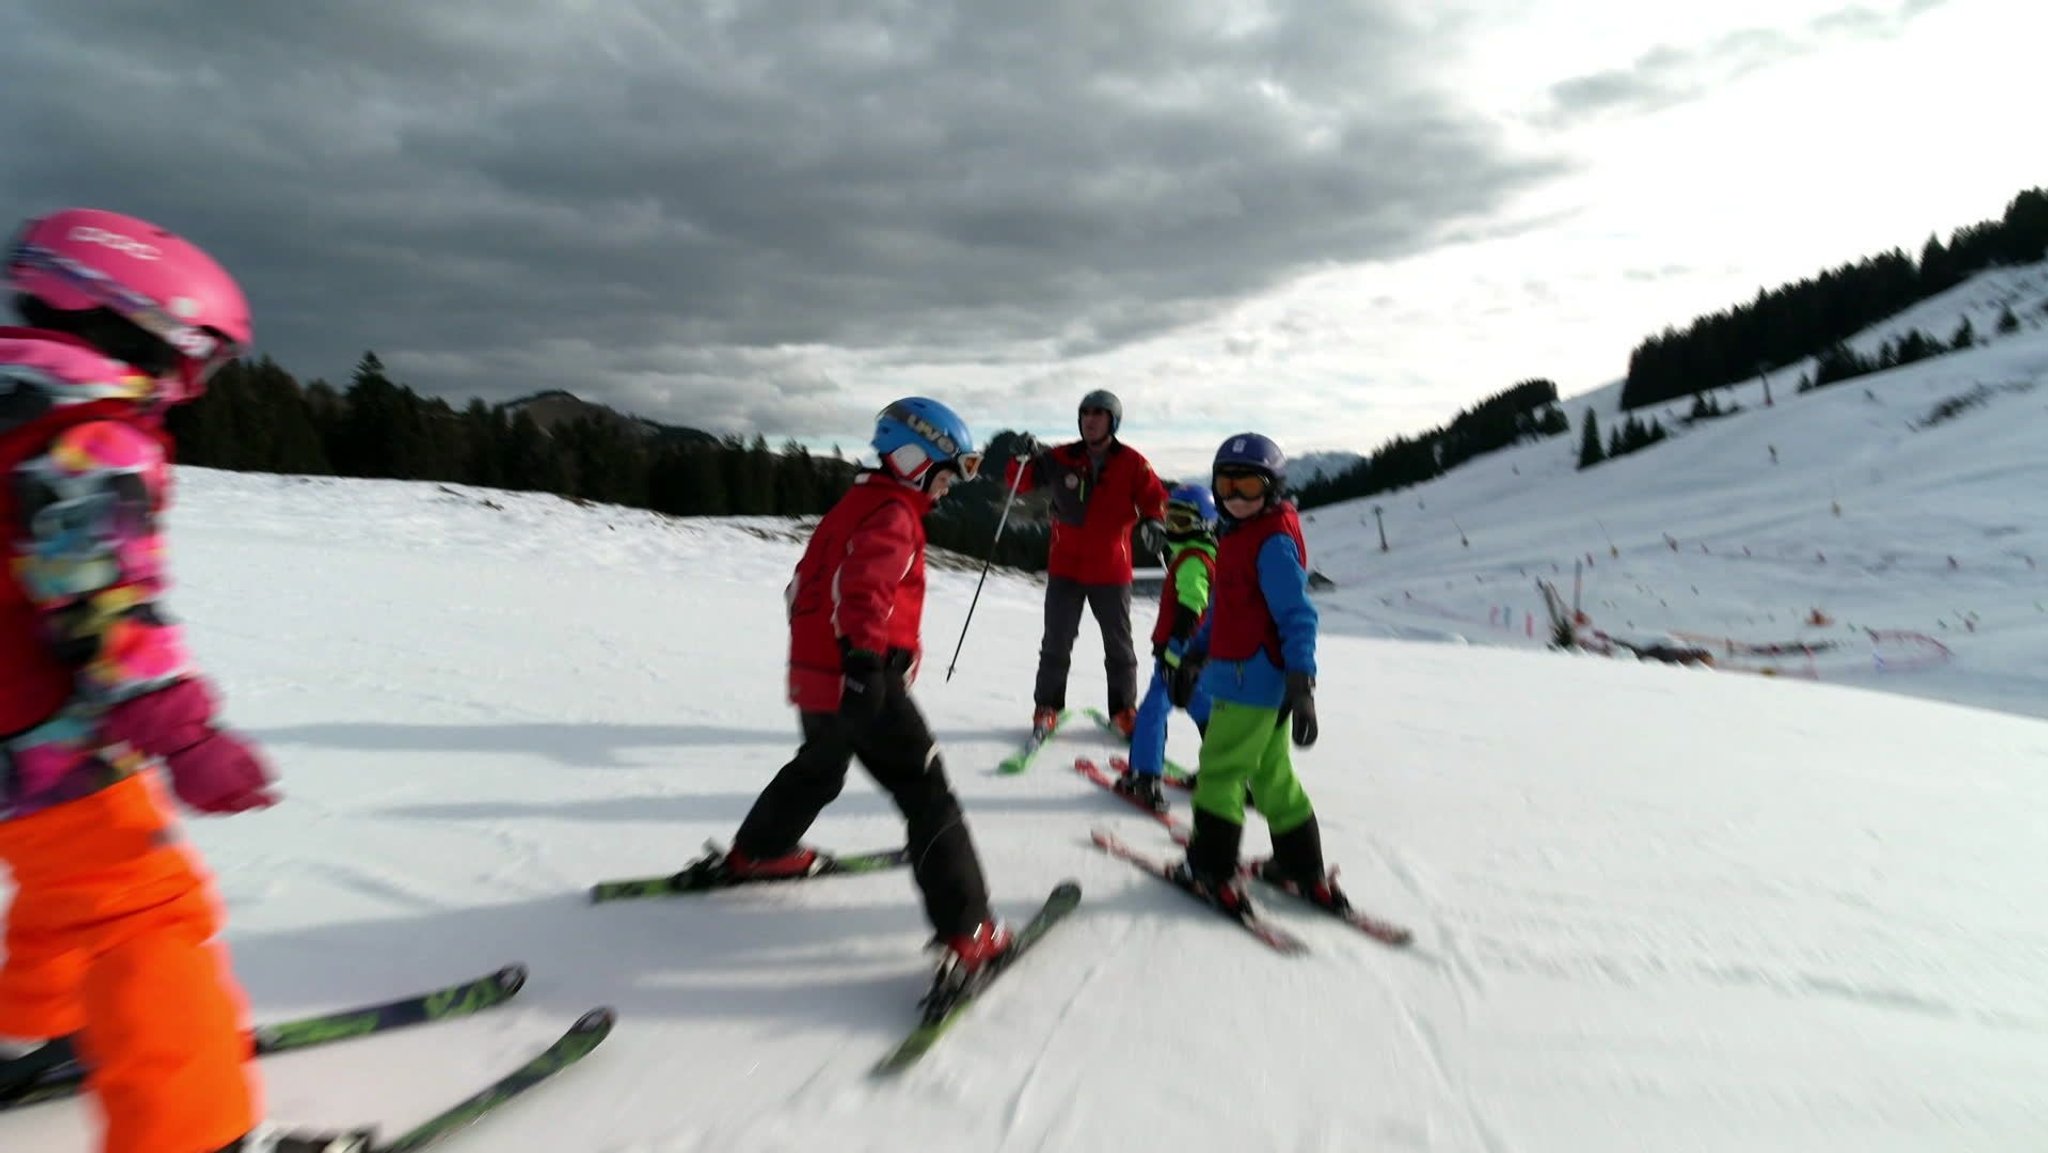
(1031, 448)
(1301, 705)
(1152, 538)
(861, 690)
(1186, 673)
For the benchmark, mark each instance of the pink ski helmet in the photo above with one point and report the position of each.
(84, 271)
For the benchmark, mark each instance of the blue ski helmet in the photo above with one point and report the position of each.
(1251, 452)
(1190, 510)
(918, 437)
(1105, 400)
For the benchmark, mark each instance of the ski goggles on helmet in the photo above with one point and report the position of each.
(1242, 486)
(1183, 518)
(913, 463)
(967, 464)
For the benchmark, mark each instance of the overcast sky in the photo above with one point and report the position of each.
(1327, 220)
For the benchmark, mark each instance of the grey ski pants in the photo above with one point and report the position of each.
(1111, 605)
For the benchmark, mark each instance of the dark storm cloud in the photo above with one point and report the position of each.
(1668, 75)
(665, 203)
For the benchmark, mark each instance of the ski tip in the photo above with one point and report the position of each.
(1067, 890)
(511, 978)
(598, 1020)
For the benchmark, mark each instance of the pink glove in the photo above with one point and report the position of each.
(212, 771)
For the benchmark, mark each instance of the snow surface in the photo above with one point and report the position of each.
(1656, 907)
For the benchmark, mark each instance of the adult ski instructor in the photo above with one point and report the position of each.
(1101, 488)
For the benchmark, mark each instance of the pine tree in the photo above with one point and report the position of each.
(1589, 444)
(530, 460)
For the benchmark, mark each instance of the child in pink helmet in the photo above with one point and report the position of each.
(111, 950)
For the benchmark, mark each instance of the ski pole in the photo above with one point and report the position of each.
(1000, 522)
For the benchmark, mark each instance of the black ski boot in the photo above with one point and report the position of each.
(1142, 788)
(1297, 865)
(1210, 868)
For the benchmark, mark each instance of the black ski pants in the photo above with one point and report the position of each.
(898, 751)
(1111, 605)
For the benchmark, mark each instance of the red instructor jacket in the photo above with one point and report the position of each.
(1094, 510)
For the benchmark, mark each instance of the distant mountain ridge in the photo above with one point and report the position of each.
(1311, 466)
(558, 406)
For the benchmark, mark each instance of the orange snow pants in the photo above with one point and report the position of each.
(112, 936)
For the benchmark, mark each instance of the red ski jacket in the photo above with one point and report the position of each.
(1185, 586)
(1094, 508)
(860, 585)
(1241, 622)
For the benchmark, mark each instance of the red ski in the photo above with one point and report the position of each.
(1385, 932)
(1273, 936)
(1171, 778)
(1089, 769)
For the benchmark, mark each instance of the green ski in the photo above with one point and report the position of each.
(1020, 760)
(940, 1011)
(703, 876)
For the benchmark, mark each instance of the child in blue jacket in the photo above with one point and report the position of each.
(1255, 657)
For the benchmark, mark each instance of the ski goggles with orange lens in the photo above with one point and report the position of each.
(968, 464)
(1241, 486)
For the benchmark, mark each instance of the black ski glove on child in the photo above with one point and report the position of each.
(1301, 705)
(1185, 675)
(862, 689)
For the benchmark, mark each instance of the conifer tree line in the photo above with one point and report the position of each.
(1838, 362)
(255, 417)
(1633, 434)
(1795, 321)
(1528, 410)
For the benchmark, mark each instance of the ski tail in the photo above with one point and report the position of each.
(585, 1035)
(440, 1005)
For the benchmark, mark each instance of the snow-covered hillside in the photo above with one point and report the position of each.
(1655, 908)
(1908, 509)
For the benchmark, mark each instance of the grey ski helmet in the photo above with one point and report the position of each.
(1106, 400)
